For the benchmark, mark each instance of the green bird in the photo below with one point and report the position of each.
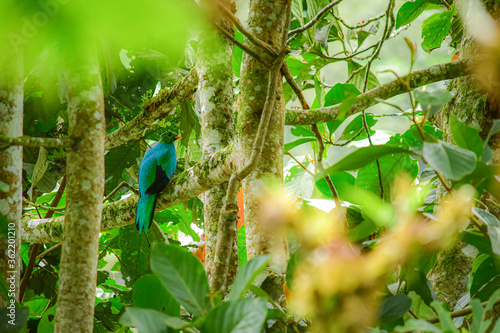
(157, 168)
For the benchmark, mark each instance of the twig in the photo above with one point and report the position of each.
(352, 27)
(313, 21)
(251, 37)
(28, 141)
(242, 46)
(122, 184)
(36, 246)
(299, 163)
(445, 3)
(44, 253)
(348, 141)
(461, 312)
(319, 138)
(26, 201)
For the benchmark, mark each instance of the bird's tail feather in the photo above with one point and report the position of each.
(145, 211)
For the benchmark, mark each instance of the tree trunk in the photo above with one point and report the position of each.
(11, 171)
(85, 188)
(476, 108)
(266, 21)
(215, 97)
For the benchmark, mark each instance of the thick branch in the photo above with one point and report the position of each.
(210, 172)
(29, 141)
(417, 79)
(161, 106)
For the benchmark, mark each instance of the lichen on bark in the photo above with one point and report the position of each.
(85, 189)
(11, 125)
(266, 22)
(215, 103)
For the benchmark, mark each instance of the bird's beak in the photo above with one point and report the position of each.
(177, 137)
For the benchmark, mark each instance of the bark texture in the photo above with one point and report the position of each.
(11, 159)
(266, 21)
(215, 97)
(85, 189)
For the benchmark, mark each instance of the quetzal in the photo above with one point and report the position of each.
(157, 168)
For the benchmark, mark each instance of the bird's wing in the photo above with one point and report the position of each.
(165, 164)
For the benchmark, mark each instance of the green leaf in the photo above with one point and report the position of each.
(299, 182)
(116, 161)
(447, 324)
(182, 275)
(409, 11)
(435, 29)
(246, 274)
(48, 321)
(432, 100)
(339, 179)
(495, 128)
(242, 246)
(356, 125)
(295, 259)
(465, 136)
(150, 321)
(134, 254)
(298, 142)
(418, 325)
(339, 92)
(359, 78)
(485, 279)
(451, 161)
(361, 157)
(302, 131)
(237, 54)
(241, 316)
(477, 239)
(393, 308)
(418, 282)
(493, 226)
(149, 293)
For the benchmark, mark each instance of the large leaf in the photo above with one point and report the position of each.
(435, 29)
(445, 318)
(451, 161)
(237, 54)
(150, 321)
(432, 101)
(246, 274)
(493, 227)
(359, 78)
(409, 11)
(339, 179)
(116, 161)
(361, 157)
(149, 293)
(298, 142)
(465, 136)
(394, 308)
(298, 181)
(182, 275)
(485, 279)
(339, 92)
(134, 250)
(241, 316)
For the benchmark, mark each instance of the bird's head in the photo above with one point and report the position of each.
(169, 137)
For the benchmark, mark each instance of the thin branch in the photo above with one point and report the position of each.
(44, 253)
(36, 247)
(313, 21)
(461, 312)
(418, 78)
(250, 36)
(319, 139)
(122, 184)
(26, 201)
(299, 163)
(242, 46)
(445, 3)
(360, 25)
(28, 141)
